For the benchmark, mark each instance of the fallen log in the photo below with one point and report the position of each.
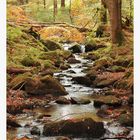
(49, 24)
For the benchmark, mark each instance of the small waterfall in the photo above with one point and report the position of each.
(67, 46)
(82, 48)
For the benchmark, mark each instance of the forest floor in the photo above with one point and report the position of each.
(59, 70)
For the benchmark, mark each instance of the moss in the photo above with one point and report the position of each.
(19, 80)
(51, 45)
(14, 33)
(117, 68)
(103, 62)
(28, 61)
(48, 64)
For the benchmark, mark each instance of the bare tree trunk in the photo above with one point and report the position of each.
(55, 9)
(103, 13)
(70, 13)
(131, 9)
(44, 3)
(62, 3)
(114, 7)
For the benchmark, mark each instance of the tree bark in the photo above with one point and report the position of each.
(103, 13)
(62, 3)
(55, 9)
(44, 3)
(114, 8)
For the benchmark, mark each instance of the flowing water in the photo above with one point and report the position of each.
(61, 112)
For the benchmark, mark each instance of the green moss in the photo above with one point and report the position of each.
(14, 33)
(48, 64)
(28, 61)
(117, 68)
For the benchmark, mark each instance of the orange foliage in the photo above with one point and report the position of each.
(16, 13)
(60, 34)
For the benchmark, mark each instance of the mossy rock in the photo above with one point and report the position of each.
(125, 61)
(75, 48)
(29, 61)
(19, 80)
(48, 64)
(85, 127)
(44, 85)
(107, 100)
(51, 45)
(116, 68)
(104, 62)
(126, 119)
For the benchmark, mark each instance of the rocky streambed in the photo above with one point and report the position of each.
(84, 113)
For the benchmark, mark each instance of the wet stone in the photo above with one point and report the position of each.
(75, 100)
(75, 127)
(35, 131)
(107, 100)
(62, 100)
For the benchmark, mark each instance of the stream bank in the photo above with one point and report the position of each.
(78, 104)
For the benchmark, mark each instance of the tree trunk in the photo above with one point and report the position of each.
(55, 9)
(103, 13)
(114, 8)
(44, 3)
(63, 3)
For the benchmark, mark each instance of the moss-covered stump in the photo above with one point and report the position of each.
(45, 85)
(107, 100)
(75, 128)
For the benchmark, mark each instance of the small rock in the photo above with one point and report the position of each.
(126, 119)
(82, 80)
(107, 100)
(75, 100)
(35, 131)
(72, 60)
(63, 138)
(12, 123)
(71, 71)
(76, 48)
(62, 100)
(47, 72)
(51, 45)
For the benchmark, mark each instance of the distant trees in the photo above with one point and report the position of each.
(103, 13)
(44, 2)
(62, 3)
(55, 9)
(114, 8)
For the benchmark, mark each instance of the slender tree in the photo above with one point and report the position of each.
(55, 9)
(103, 13)
(44, 2)
(114, 8)
(62, 3)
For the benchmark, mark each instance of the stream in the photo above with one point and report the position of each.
(60, 112)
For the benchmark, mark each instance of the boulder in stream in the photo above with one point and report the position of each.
(83, 80)
(35, 131)
(72, 60)
(86, 127)
(62, 100)
(75, 48)
(75, 100)
(44, 85)
(51, 45)
(107, 100)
